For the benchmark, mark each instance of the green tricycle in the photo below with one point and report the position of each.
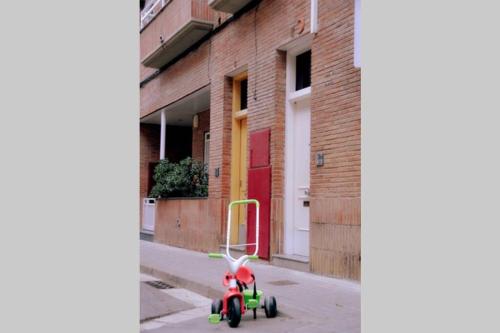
(239, 298)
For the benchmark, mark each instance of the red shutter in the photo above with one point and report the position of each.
(259, 187)
(259, 148)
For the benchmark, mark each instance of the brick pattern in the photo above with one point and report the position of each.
(186, 223)
(178, 146)
(186, 76)
(335, 131)
(149, 151)
(251, 43)
(199, 135)
(258, 33)
(176, 14)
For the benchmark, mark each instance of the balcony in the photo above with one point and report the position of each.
(228, 6)
(169, 27)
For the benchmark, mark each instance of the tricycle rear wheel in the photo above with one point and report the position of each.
(270, 307)
(217, 307)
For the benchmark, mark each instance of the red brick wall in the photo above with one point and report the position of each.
(257, 35)
(149, 151)
(185, 223)
(251, 42)
(170, 19)
(178, 146)
(199, 135)
(184, 77)
(335, 131)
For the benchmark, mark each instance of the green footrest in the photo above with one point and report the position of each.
(214, 318)
(248, 295)
(252, 304)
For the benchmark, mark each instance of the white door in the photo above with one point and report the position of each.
(300, 183)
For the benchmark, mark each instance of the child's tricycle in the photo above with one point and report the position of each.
(239, 298)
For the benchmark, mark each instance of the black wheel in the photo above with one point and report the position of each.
(270, 307)
(234, 309)
(217, 306)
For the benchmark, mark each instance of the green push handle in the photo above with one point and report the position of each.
(242, 202)
(215, 255)
(253, 257)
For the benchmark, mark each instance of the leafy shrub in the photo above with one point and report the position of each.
(188, 178)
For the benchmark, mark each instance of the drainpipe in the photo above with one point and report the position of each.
(314, 16)
(162, 134)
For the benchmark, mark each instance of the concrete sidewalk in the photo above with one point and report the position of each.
(322, 304)
(155, 303)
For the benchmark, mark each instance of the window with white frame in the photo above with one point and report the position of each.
(303, 70)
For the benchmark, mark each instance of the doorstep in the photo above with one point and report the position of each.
(291, 261)
(238, 252)
(147, 235)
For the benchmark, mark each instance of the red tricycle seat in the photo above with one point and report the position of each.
(244, 274)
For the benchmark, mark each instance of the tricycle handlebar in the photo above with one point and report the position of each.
(242, 202)
(228, 230)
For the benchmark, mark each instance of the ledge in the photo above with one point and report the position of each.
(228, 6)
(299, 95)
(184, 38)
(183, 198)
(292, 257)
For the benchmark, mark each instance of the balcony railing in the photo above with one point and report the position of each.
(169, 27)
(151, 12)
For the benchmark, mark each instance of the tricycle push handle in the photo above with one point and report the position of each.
(228, 230)
(242, 202)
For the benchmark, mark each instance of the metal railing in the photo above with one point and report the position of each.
(152, 11)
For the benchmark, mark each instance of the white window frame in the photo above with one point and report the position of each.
(293, 95)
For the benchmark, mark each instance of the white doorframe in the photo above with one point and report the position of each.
(292, 96)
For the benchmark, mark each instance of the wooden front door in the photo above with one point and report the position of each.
(239, 174)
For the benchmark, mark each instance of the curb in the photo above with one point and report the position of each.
(196, 287)
(179, 282)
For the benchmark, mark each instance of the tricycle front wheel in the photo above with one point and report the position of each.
(234, 312)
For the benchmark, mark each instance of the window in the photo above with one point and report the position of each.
(303, 76)
(243, 94)
(240, 94)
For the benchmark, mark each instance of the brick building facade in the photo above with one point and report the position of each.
(263, 46)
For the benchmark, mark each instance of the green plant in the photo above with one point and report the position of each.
(188, 178)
